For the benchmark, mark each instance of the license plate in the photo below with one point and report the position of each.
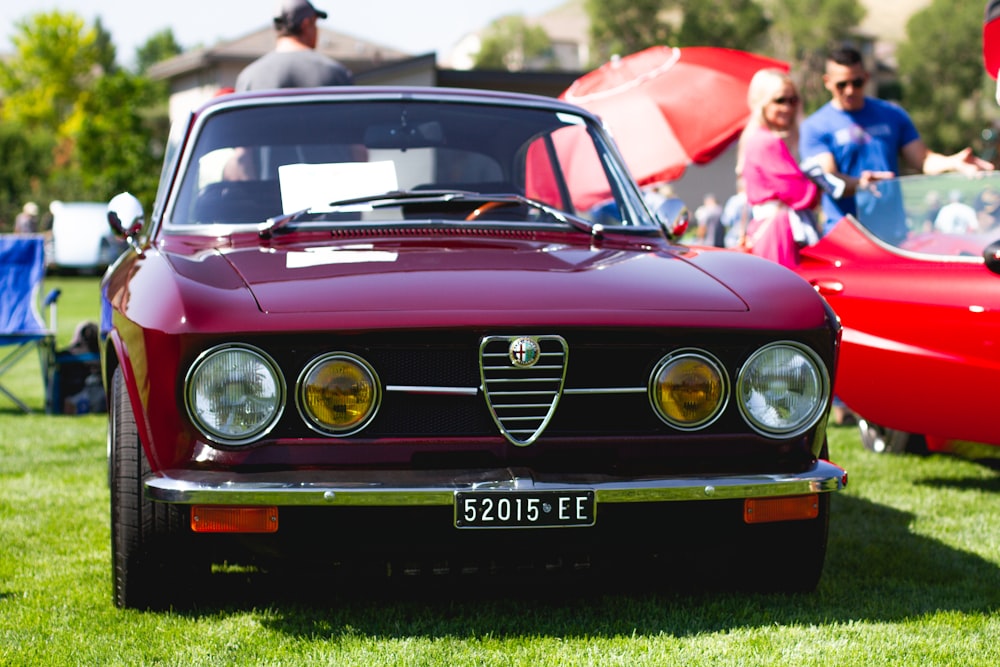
(523, 509)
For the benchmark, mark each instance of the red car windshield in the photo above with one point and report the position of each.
(950, 215)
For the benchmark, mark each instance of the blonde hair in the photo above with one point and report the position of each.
(765, 85)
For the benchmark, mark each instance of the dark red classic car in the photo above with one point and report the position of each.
(915, 283)
(407, 326)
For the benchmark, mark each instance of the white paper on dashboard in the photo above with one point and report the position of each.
(316, 185)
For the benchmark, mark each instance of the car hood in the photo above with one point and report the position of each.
(488, 282)
(503, 276)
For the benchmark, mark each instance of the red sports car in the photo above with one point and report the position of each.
(916, 287)
(409, 326)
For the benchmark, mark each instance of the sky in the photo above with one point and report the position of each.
(412, 26)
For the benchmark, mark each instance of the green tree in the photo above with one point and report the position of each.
(55, 59)
(25, 159)
(512, 44)
(623, 27)
(160, 46)
(121, 147)
(944, 85)
(106, 52)
(626, 26)
(734, 24)
(801, 34)
(90, 128)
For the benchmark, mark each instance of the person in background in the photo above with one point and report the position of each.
(781, 195)
(736, 215)
(26, 221)
(656, 194)
(708, 217)
(294, 62)
(956, 217)
(932, 206)
(859, 139)
(987, 205)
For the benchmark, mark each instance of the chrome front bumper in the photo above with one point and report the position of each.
(438, 488)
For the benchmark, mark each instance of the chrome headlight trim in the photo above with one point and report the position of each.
(315, 423)
(270, 400)
(709, 361)
(773, 411)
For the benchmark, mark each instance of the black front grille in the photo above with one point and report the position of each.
(433, 387)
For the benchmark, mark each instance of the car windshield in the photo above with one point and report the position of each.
(944, 215)
(420, 160)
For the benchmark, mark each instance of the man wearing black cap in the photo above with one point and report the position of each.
(294, 62)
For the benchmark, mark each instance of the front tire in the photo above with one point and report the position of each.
(882, 440)
(148, 566)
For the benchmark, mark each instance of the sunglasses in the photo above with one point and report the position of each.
(793, 100)
(853, 83)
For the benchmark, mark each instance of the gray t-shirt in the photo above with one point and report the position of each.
(293, 69)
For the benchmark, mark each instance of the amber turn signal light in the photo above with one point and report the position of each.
(769, 510)
(216, 519)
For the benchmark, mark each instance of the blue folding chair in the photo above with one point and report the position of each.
(22, 268)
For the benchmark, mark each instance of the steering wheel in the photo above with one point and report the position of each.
(489, 206)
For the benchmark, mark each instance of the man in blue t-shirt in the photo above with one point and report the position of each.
(859, 139)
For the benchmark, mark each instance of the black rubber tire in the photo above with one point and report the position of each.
(145, 535)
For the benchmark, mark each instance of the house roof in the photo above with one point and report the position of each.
(357, 54)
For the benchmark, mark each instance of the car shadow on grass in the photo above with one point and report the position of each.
(877, 570)
(988, 485)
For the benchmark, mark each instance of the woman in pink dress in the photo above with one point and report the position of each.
(781, 195)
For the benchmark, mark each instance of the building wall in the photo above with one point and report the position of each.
(717, 177)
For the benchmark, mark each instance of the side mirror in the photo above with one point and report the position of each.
(674, 217)
(125, 215)
(992, 257)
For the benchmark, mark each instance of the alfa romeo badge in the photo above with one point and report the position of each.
(523, 352)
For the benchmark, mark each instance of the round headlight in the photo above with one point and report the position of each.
(235, 394)
(782, 389)
(688, 389)
(338, 393)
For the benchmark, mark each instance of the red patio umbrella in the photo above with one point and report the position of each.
(670, 107)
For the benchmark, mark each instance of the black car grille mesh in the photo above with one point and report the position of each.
(454, 384)
(589, 373)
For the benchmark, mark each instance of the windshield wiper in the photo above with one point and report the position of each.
(267, 228)
(273, 225)
(505, 197)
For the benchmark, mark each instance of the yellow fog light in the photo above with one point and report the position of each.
(688, 389)
(338, 393)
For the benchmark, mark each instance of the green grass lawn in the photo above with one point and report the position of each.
(912, 578)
